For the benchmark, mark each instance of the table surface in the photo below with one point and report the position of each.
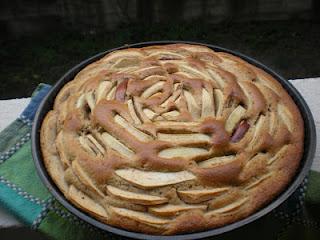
(308, 87)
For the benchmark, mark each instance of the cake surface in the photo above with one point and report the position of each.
(172, 139)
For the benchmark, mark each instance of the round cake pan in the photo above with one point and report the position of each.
(309, 150)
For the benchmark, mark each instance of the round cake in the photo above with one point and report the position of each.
(172, 139)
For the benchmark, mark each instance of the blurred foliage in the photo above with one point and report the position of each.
(291, 48)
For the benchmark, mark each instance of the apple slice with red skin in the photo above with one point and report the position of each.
(121, 90)
(240, 131)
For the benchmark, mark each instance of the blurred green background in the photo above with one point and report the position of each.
(41, 40)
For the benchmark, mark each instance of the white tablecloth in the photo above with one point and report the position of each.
(309, 88)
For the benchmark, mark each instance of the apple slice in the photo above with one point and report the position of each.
(149, 71)
(184, 138)
(90, 100)
(176, 93)
(115, 144)
(230, 207)
(138, 198)
(146, 179)
(257, 182)
(171, 115)
(85, 179)
(286, 116)
(172, 210)
(149, 113)
(95, 144)
(192, 72)
(216, 78)
(131, 129)
(278, 154)
(259, 127)
(234, 118)
(126, 62)
(81, 101)
(142, 217)
(201, 195)
(133, 113)
(165, 55)
(185, 152)
(103, 89)
(153, 89)
(207, 104)
(111, 93)
(240, 131)
(121, 90)
(192, 105)
(85, 145)
(218, 100)
(86, 202)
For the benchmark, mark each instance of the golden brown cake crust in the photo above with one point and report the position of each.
(172, 139)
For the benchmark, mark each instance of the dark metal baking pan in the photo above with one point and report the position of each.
(309, 150)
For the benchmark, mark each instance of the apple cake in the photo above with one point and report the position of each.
(171, 139)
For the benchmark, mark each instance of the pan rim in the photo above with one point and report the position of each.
(306, 161)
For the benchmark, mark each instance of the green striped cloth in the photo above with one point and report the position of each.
(23, 194)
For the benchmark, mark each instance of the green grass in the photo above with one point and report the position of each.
(291, 48)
